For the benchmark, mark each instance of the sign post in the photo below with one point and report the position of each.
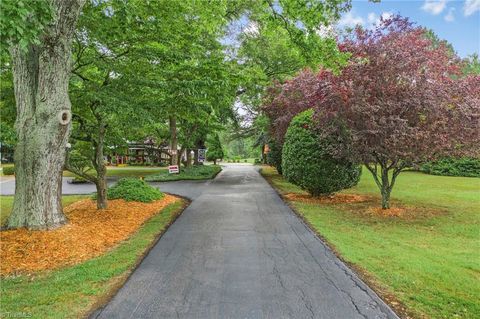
(173, 169)
(202, 155)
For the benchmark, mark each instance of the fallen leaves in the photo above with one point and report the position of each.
(89, 233)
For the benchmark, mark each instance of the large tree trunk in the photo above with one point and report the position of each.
(99, 164)
(386, 198)
(41, 75)
(101, 185)
(173, 141)
(195, 156)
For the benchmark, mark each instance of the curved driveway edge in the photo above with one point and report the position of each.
(238, 251)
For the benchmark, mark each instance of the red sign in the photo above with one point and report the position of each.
(173, 169)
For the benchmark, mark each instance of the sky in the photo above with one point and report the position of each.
(457, 21)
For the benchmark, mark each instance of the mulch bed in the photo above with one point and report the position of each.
(334, 199)
(368, 206)
(89, 233)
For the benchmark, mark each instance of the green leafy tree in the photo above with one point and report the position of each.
(100, 87)
(215, 149)
(38, 35)
(281, 39)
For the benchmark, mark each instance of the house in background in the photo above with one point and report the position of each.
(142, 153)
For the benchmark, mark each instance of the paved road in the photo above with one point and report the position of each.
(190, 189)
(239, 252)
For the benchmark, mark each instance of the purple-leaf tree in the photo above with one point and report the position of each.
(400, 101)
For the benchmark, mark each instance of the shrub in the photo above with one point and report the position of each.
(274, 156)
(132, 189)
(215, 150)
(9, 170)
(257, 161)
(468, 167)
(306, 163)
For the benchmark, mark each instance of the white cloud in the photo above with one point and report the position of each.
(387, 15)
(450, 17)
(351, 20)
(435, 6)
(470, 7)
(374, 20)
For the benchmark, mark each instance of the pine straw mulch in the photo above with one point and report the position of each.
(368, 206)
(89, 233)
(333, 199)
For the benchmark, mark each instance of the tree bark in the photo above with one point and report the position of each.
(384, 181)
(386, 197)
(188, 158)
(41, 75)
(99, 165)
(173, 140)
(101, 186)
(385, 189)
(195, 156)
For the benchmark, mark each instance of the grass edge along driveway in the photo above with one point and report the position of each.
(429, 263)
(77, 290)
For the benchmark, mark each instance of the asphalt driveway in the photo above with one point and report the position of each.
(239, 252)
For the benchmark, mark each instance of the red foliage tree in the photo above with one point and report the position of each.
(285, 100)
(401, 100)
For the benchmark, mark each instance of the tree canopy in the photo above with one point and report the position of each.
(402, 99)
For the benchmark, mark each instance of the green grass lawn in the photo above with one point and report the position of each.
(430, 263)
(6, 203)
(129, 171)
(71, 292)
(190, 173)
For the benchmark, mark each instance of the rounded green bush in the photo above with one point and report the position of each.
(132, 189)
(306, 163)
(8, 170)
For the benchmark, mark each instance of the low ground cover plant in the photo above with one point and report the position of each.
(132, 189)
